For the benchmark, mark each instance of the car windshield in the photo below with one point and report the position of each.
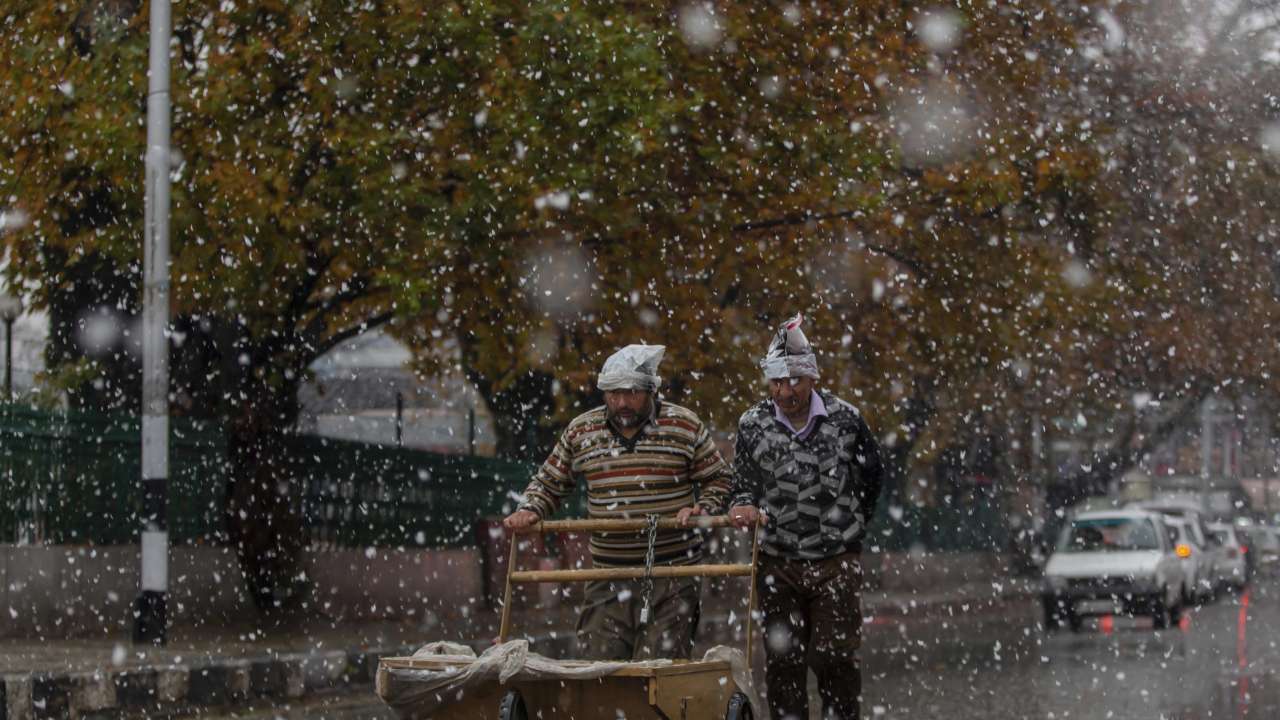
(1109, 535)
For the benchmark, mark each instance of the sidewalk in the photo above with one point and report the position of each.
(224, 667)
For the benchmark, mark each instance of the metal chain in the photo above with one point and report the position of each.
(647, 582)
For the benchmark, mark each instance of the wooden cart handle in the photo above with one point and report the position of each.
(623, 525)
(629, 573)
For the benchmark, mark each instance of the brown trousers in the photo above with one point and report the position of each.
(812, 619)
(610, 629)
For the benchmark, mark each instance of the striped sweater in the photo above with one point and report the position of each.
(655, 472)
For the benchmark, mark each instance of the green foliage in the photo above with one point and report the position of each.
(525, 186)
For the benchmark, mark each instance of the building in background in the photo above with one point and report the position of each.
(30, 331)
(30, 336)
(1226, 460)
(364, 391)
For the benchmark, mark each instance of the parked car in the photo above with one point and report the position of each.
(1114, 562)
(1264, 546)
(1232, 571)
(1198, 563)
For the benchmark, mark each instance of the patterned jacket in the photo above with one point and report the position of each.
(819, 492)
(656, 472)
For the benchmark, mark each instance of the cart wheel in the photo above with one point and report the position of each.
(512, 707)
(739, 708)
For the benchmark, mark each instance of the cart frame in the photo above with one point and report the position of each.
(515, 577)
(682, 689)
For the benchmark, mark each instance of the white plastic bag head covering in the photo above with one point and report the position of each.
(634, 367)
(790, 354)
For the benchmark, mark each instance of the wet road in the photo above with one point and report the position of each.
(1222, 663)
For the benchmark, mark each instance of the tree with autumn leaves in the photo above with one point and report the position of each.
(516, 189)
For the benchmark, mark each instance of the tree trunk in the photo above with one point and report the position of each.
(264, 500)
(917, 414)
(897, 460)
(520, 414)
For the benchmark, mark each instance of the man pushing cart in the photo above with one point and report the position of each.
(641, 457)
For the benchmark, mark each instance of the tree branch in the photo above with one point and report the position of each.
(793, 220)
(356, 288)
(911, 264)
(342, 336)
(318, 321)
(1119, 458)
(317, 264)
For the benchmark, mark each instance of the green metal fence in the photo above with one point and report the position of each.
(73, 478)
(359, 495)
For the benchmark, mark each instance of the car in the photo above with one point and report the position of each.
(1264, 547)
(1197, 561)
(1232, 570)
(1193, 532)
(1114, 562)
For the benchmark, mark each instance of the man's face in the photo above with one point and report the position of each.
(628, 408)
(793, 394)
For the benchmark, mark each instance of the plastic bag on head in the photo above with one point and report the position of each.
(634, 367)
(790, 354)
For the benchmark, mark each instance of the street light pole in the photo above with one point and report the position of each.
(10, 309)
(1206, 450)
(151, 609)
(8, 360)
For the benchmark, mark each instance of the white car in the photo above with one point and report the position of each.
(1193, 532)
(1114, 562)
(1230, 548)
(1197, 561)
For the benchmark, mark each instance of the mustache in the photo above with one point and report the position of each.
(626, 421)
(627, 417)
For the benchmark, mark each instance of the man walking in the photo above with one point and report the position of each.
(640, 457)
(808, 460)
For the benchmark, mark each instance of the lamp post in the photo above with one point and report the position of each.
(10, 309)
(150, 624)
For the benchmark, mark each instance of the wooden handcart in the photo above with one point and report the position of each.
(680, 690)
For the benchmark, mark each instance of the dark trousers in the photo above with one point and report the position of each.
(609, 627)
(812, 619)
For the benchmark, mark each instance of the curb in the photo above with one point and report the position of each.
(182, 688)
